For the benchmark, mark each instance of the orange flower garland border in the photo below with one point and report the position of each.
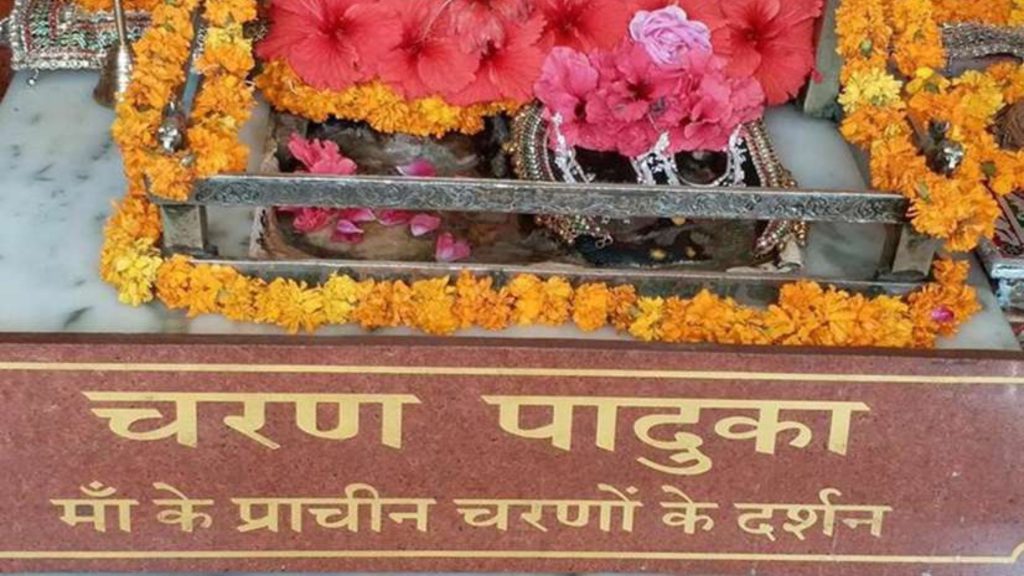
(805, 314)
(881, 110)
(374, 103)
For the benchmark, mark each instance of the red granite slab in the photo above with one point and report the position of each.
(5, 52)
(930, 459)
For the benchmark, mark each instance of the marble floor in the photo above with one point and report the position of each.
(59, 173)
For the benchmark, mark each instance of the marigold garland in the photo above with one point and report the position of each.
(221, 108)
(108, 5)
(805, 314)
(374, 103)
(878, 38)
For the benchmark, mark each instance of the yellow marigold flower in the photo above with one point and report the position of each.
(1016, 17)
(341, 296)
(647, 324)
(871, 87)
(132, 270)
(290, 304)
(927, 79)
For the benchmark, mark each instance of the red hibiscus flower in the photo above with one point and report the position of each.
(482, 21)
(584, 24)
(330, 43)
(427, 59)
(507, 70)
(770, 40)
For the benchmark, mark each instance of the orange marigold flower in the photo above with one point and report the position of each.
(621, 308)
(590, 306)
(433, 302)
(172, 281)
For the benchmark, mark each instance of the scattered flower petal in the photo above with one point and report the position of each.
(422, 224)
(347, 232)
(394, 217)
(419, 168)
(357, 215)
(448, 249)
(311, 219)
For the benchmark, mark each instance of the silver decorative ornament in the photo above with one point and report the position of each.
(117, 66)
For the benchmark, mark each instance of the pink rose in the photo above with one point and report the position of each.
(667, 32)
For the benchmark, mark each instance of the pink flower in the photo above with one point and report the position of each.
(320, 156)
(632, 86)
(347, 232)
(422, 224)
(713, 105)
(330, 44)
(508, 67)
(310, 219)
(566, 80)
(418, 168)
(666, 32)
(427, 59)
(448, 249)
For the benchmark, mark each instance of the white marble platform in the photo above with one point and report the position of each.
(59, 172)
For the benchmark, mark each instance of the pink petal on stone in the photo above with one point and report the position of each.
(347, 232)
(423, 224)
(358, 215)
(448, 249)
(418, 168)
(394, 217)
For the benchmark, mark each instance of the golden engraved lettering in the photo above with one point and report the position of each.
(335, 513)
(686, 458)
(252, 420)
(494, 513)
(184, 428)
(96, 507)
(181, 511)
(687, 513)
(802, 517)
